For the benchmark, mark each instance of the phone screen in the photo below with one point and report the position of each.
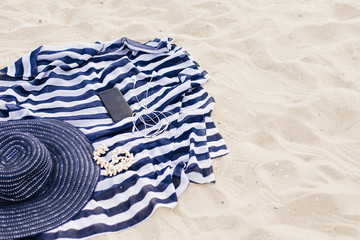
(115, 104)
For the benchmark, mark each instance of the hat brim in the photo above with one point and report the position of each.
(72, 182)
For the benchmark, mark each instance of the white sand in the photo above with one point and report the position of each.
(286, 80)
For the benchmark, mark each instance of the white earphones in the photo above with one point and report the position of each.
(155, 122)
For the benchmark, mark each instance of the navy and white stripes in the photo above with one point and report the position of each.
(63, 83)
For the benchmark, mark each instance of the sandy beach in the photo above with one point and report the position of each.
(285, 76)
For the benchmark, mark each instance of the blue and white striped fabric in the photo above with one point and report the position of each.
(63, 83)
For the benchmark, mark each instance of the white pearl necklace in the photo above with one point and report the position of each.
(121, 160)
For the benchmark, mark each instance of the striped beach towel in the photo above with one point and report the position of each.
(63, 82)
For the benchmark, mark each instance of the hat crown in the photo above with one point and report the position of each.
(25, 166)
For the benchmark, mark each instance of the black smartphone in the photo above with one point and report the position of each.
(115, 104)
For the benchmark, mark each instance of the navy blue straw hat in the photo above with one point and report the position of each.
(46, 175)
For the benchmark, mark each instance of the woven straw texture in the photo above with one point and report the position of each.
(46, 175)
